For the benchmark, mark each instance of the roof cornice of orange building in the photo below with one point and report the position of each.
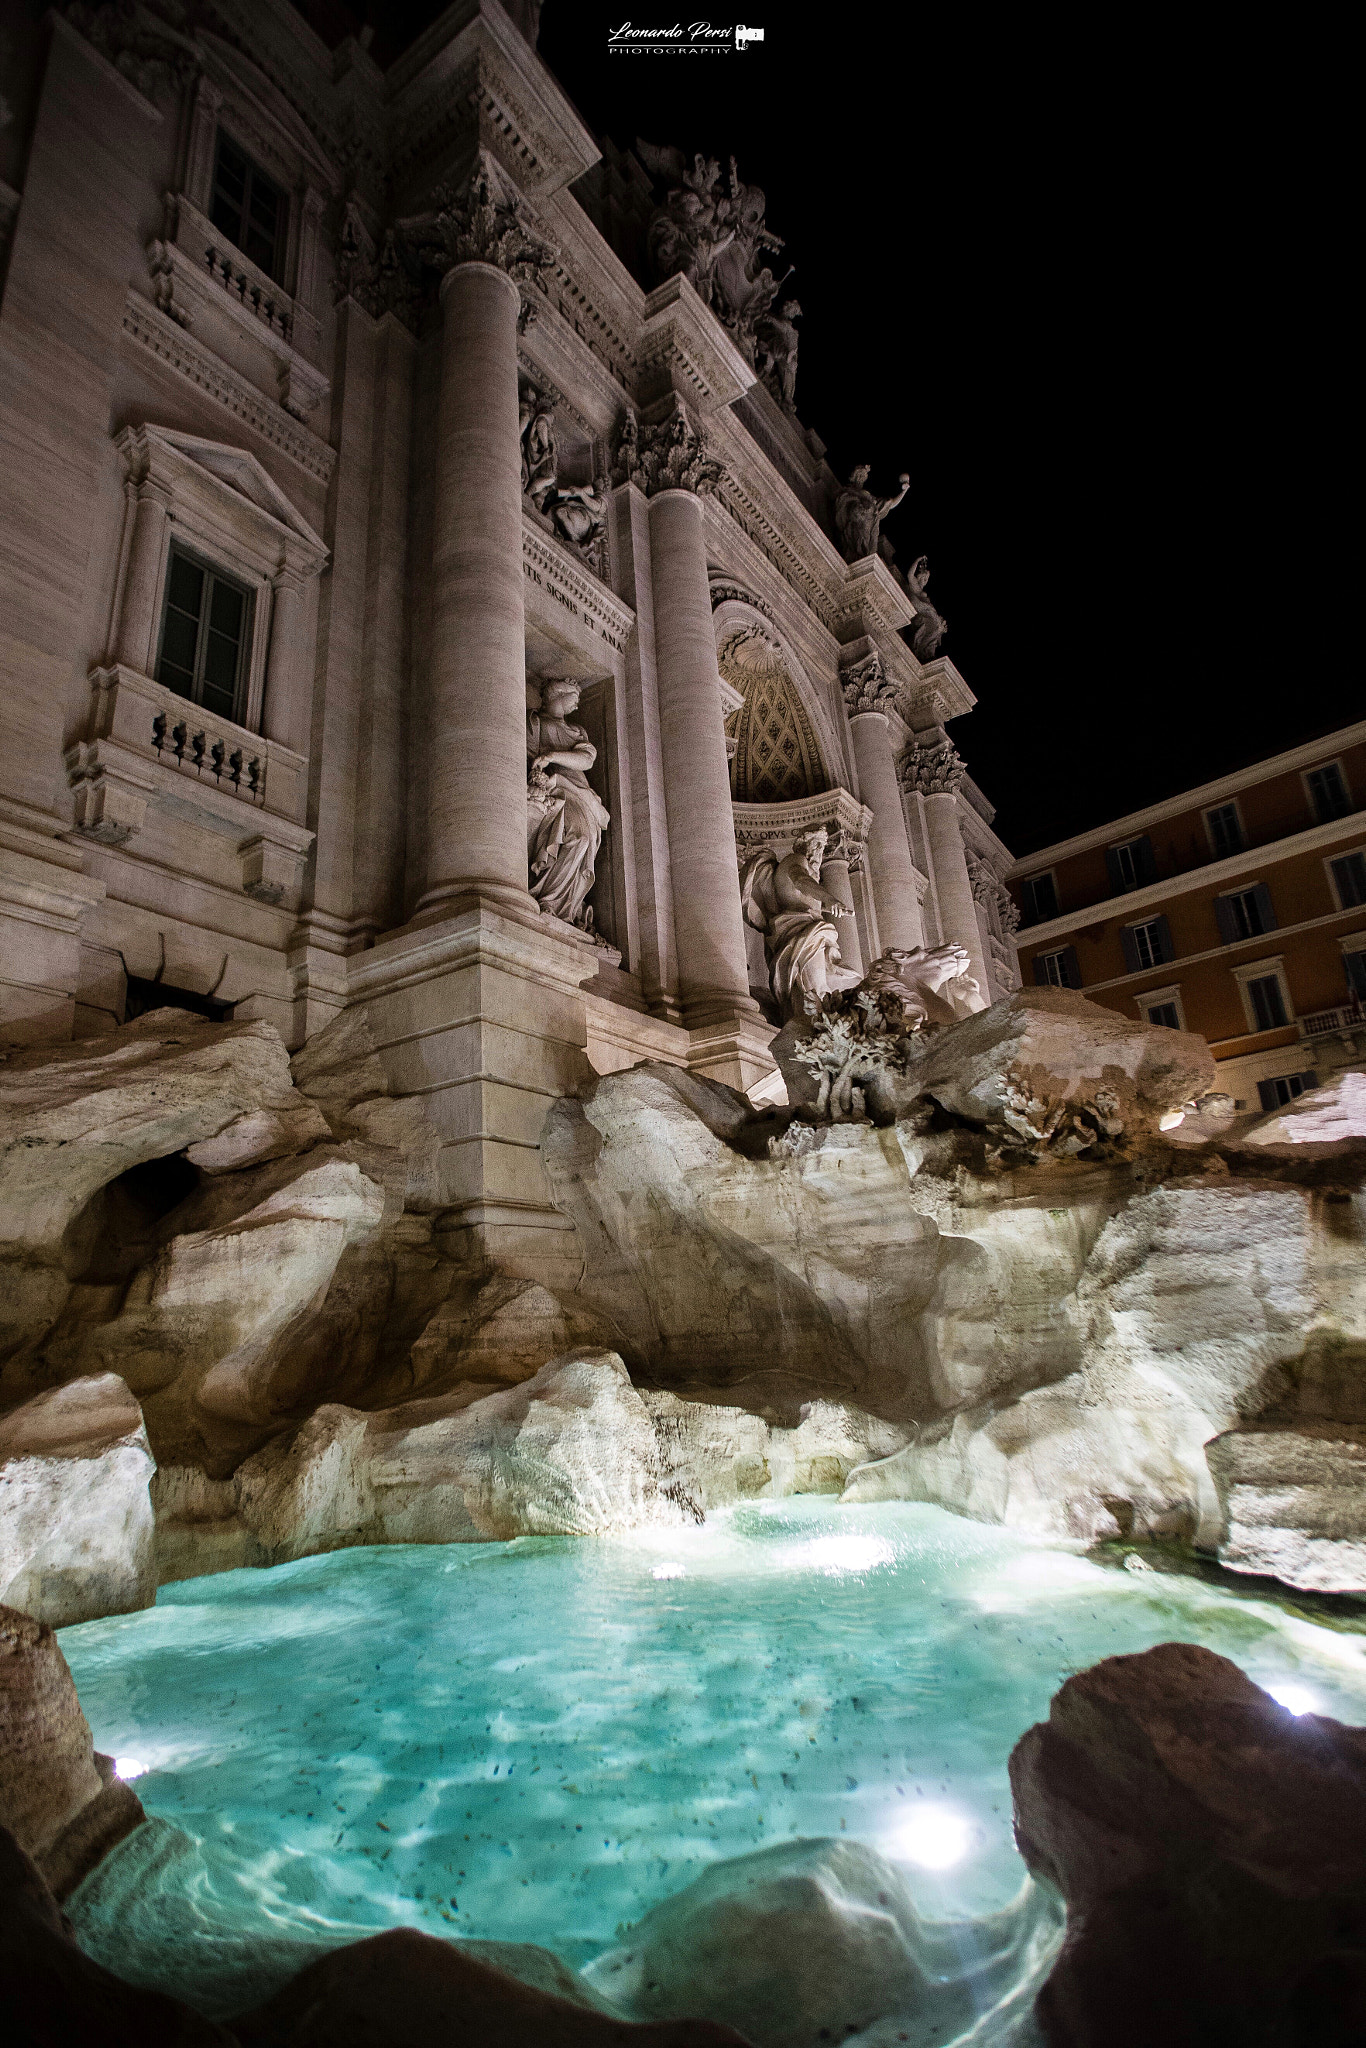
(1242, 866)
(1119, 829)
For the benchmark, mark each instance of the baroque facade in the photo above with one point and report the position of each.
(420, 598)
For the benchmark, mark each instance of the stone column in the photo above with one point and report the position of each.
(285, 714)
(891, 869)
(835, 878)
(135, 646)
(709, 926)
(934, 771)
(477, 766)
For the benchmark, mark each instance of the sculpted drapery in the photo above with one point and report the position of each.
(565, 820)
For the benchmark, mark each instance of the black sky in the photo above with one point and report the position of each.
(1057, 278)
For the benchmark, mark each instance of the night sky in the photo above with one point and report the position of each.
(1050, 277)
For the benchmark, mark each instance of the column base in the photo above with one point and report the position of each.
(454, 899)
(483, 1016)
(732, 1047)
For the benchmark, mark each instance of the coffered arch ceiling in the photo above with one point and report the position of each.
(776, 756)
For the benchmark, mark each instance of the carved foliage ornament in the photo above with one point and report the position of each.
(934, 767)
(989, 890)
(475, 222)
(147, 40)
(669, 455)
(866, 687)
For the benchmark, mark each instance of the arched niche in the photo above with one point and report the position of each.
(776, 750)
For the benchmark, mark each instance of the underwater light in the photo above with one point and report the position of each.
(935, 1837)
(669, 1571)
(128, 1767)
(1296, 1699)
(841, 1553)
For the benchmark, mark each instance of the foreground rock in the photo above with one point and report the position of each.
(1211, 1848)
(409, 1990)
(61, 1803)
(815, 1941)
(75, 1514)
(56, 1997)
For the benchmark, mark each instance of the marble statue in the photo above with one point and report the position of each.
(784, 900)
(859, 513)
(923, 985)
(930, 625)
(777, 357)
(579, 513)
(565, 821)
(539, 457)
(711, 230)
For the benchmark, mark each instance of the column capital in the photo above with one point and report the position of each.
(480, 220)
(866, 687)
(665, 454)
(933, 766)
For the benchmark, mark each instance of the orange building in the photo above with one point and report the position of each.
(1237, 910)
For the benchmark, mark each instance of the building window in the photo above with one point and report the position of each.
(1040, 898)
(1131, 865)
(1057, 970)
(1284, 1088)
(1354, 965)
(1267, 1001)
(1147, 945)
(248, 207)
(1165, 1014)
(1328, 793)
(1349, 879)
(1225, 829)
(205, 629)
(1244, 914)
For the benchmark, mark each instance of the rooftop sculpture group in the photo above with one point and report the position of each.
(711, 230)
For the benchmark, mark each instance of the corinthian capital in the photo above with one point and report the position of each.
(866, 687)
(668, 455)
(479, 221)
(933, 766)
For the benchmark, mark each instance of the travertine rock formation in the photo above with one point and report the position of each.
(815, 1941)
(1211, 1848)
(1018, 1295)
(75, 1514)
(60, 1802)
(403, 1989)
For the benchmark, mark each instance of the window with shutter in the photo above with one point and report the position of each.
(1354, 965)
(1328, 793)
(1132, 864)
(1166, 1014)
(1147, 945)
(1225, 830)
(1349, 878)
(1040, 898)
(1059, 969)
(1268, 1002)
(1284, 1088)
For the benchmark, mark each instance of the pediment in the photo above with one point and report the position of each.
(240, 471)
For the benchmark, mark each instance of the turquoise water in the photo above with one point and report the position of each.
(536, 1741)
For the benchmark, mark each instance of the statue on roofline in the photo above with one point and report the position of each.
(859, 513)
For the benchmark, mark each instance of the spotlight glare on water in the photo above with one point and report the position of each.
(128, 1767)
(840, 1554)
(669, 1571)
(934, 1836)
(1296, 1699)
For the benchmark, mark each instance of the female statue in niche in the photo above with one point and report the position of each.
(565, 822)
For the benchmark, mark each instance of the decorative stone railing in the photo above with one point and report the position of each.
(1346, 1017)
(245, 283)
(147, 748)
(206, 752)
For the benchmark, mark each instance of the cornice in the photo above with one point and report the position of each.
(171, 345)
(1199, 798)
(1239, 867)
